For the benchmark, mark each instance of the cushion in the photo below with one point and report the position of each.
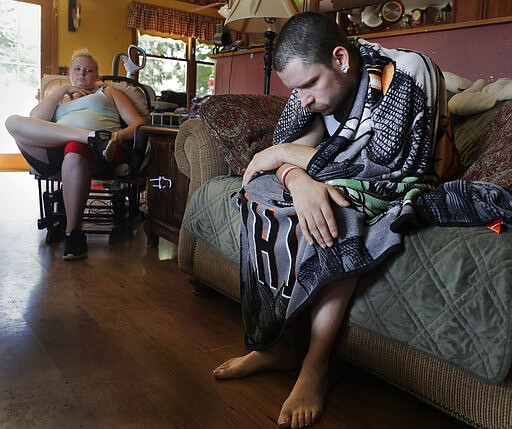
(472, 100)
(51, 82)
(137, 97)
(448, 295)
(241, 125)
(480, 97)
(468, 130)
(494, 162)
(455, 83)
(211, 217)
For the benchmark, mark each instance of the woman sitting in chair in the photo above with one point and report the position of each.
(61, 135)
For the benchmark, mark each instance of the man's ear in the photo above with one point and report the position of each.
(341, 58)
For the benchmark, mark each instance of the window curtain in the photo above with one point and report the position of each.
(150, 18)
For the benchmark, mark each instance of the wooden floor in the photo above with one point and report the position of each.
(119, 341)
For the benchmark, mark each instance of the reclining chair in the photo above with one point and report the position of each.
(113, 202)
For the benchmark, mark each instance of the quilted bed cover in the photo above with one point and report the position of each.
(447, 294)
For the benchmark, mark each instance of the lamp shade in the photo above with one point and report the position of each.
(253, 16)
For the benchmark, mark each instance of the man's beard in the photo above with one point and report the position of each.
(328, 108)
(318, 108)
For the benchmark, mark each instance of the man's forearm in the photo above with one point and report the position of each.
(296, 154)
(300, 151)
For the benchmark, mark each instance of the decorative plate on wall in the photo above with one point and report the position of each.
(392, 11)
(417, 17)
(371, 16)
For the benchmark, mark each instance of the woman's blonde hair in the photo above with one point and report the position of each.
(84, 53)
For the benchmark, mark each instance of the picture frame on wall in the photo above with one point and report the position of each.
(74, 15)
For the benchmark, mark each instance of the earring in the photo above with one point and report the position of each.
(344, 68)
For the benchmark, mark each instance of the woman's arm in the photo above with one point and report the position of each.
(127, 111)
(46, 108)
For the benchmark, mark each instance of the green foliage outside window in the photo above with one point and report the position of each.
(20, 63)
(19, 54)
(166, 65)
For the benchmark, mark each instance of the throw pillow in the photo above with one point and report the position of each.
(494, 163)
(241, 125)
(468, 131)
(455, 83)
(472, 100)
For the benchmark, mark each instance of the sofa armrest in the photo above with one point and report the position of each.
(200, 160)
(231, 129)
(197, 156)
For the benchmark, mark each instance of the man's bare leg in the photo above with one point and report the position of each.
(304, 406)
(281, 356)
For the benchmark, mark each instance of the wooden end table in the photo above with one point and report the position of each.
(167, 187)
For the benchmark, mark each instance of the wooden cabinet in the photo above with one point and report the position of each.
(470, 10)
(498, 8)
(242, 72)
(167, 187)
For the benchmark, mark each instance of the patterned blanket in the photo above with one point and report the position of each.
(381, 160)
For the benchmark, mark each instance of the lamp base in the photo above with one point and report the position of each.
(267, 59)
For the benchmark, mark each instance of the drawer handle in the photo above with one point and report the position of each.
(161, 182)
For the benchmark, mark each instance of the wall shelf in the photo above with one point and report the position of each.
(432, 28)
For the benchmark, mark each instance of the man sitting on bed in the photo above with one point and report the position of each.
(357, 137)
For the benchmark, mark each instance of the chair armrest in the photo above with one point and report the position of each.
(197, 156)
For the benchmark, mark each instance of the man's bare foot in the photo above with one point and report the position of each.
(273, 358)
(305, 404)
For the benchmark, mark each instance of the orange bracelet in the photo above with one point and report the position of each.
(285, 173)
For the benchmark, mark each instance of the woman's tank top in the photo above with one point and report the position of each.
(92, 112)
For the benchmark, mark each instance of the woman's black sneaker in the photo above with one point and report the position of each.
(103, 143)
(75, 246)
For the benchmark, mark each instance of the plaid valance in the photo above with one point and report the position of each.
(146, 17)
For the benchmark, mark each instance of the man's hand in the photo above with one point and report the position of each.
(266, 160)
(313, 204)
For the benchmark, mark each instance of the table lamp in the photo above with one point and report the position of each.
(261, 16)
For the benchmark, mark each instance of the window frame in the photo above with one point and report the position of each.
(190, 60)
(49, 41)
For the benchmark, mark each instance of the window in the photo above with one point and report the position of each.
(169, 68)
(19, 59)
(20, 62)
(205, 70)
